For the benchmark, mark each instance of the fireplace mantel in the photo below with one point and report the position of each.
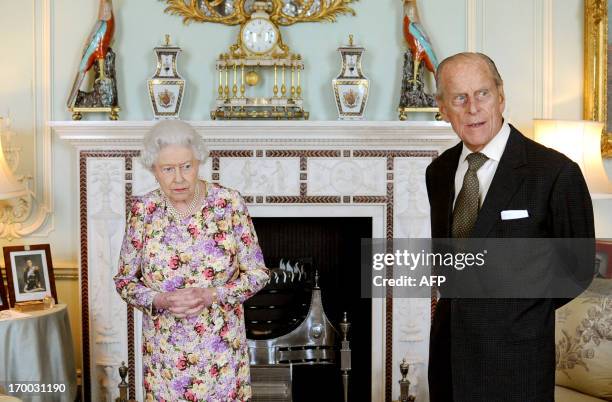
(308, 133)
(282, 168)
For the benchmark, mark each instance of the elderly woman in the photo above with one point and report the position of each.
(189, 259)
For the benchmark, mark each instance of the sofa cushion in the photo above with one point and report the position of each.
(563, 394)
(584, 341)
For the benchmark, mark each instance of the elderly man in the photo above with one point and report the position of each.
(32, 279)
(496, 350)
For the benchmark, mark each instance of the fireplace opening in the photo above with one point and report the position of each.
(331, 247)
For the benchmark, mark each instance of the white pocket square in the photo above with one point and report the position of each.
(514, 214)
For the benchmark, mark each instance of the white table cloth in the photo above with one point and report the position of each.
(38, 350)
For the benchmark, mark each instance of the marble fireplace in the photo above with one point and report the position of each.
(284, 169)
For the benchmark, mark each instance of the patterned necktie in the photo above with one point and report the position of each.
(468, 200)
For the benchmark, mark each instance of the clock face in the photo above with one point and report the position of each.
(259, 35)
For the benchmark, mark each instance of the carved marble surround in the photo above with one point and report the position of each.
(283, 169)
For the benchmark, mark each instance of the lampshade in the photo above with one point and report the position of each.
(580, 140)
(9, 186)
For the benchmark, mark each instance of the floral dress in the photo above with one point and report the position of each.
(204, 358)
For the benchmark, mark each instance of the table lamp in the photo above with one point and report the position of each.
(580, 140)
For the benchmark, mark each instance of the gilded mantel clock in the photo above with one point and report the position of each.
(259, 58)
(259, 77)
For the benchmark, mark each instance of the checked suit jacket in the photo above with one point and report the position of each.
(497, 350)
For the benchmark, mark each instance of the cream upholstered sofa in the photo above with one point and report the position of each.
(584, 346)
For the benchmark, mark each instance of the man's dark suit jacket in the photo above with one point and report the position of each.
(496, 350)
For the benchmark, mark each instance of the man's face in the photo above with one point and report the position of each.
(471, 102)
(29, 263)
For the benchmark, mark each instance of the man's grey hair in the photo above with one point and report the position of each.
(472, 57)
(171, 132)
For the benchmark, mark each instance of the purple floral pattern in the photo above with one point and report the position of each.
(203, 358)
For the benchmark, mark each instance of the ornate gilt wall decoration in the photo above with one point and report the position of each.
(236, 12)
(596, 68)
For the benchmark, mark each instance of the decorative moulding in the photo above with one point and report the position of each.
(39, 222)
(130, 133)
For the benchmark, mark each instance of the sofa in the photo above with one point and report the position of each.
(584, 346)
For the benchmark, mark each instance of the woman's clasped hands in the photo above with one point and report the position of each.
(186, 302)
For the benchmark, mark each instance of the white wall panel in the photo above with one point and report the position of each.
(25, 95)
(511, 45)
(567, 59)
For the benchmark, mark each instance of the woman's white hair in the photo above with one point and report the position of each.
(171, 132)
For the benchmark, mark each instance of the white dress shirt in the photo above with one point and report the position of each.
(493, 150)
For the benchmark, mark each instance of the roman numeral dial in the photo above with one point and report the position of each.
(259, 35)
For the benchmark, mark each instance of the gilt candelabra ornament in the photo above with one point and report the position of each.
(418, 57)
(99, 57)
(259, 77)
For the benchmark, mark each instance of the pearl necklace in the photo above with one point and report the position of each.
(193, 205)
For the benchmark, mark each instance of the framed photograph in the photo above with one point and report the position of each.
(3, 298)
(29, 273)
(603, 258)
